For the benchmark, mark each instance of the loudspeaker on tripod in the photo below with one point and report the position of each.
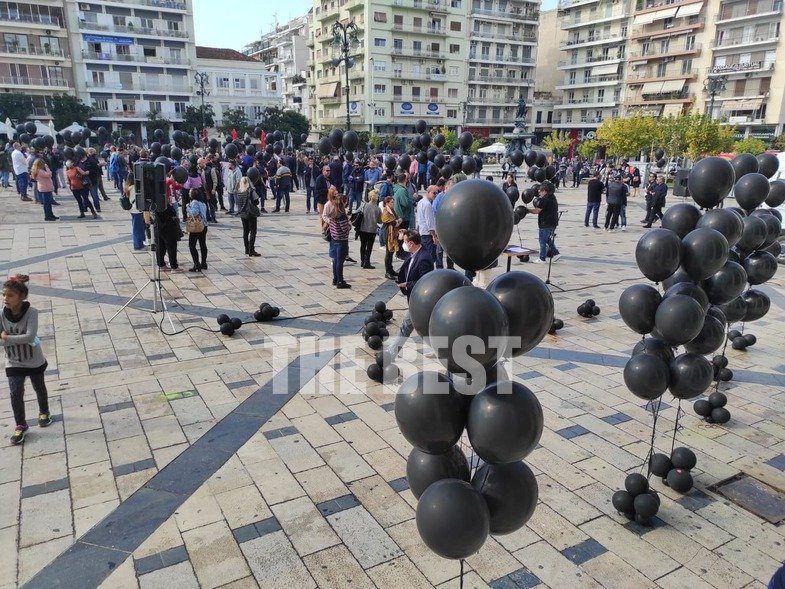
(150, 186)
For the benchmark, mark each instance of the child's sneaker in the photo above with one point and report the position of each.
(44, 419)
(19, 434)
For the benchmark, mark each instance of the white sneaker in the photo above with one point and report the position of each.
(537, 261)
(606, 229)
(624, 228)
(556, 257)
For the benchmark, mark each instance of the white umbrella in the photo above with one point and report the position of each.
(497, 148)
(73, 127)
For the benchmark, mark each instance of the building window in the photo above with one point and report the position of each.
(258, 112)
(538, 120)
(434, 93)
(379, 17)
(550, 117)
(452, 92)
(172, 25)
(379, 65)
(378, 42)
(101, 104)
(455, 25)
(253, 82)
(453, 70)
(147, 51)
(455, 48)
(452, 113)
(415, 92)
(379, 88)
(239, 83)
(146, 23)
(179, 107)
(398, 44)
(397, 91)
(223, 82)
(155, 106)
(662, 69)
(686, 66)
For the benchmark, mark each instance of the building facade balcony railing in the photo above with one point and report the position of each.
(132, 30)
(505, 59)
(410, 75)
(520, 37)
(510, 15)
(133, 58)
(748, 67)
(31, 50)
(165, 4)
(476, 120)
(742, 11)
(29, 19)
(420, 30)
(673, 97)
(418, 53)
(660, 52)
(435, 6)
(565, 64)
(246, 92)
(27, 81)
(501, 80)
(744, 40)
(640, 78)
(567, 4)
(134, 114)
(643, 31)
(582, 22)
(603, 38)
(589, 80)
(647, 5)
(139, 86)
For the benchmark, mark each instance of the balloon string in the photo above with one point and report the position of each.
(676, 426)
(655, 413)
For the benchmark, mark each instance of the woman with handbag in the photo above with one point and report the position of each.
(196, 223)
(369, 225)
(336, 226)
(390, 223)
(248, 207)
(137, 217)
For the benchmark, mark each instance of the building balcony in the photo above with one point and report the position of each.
(27, 20)
(140, 115)
(592, 40)
(642, 78)
(740, 12)
(417, 53)
(246, 93)
(435, 6)
(510, 100)
(503, 60)
(515, 81)
(532, 16)
(646, 32)
(93, 56)
(132, 30)
(161, 4)
(644, 6)
(420, 30)
(590, 81)
(573, 23)
(744, 41)
(749, 67)
(659, 53)
(422, 99)
(24, 82)
(519, 38)
(410, 75)
(596, 60)
(476, 120)
(667, 98)
(577, 122)
(32, 51)
(568, 4)
(587, 103)
(139, 86)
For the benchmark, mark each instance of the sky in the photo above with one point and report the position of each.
(235, 23)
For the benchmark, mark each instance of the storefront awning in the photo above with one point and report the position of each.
(605, 70)
(327, 90)
(672, 86)
(689, 10)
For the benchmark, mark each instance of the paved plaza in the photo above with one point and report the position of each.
(269, 459)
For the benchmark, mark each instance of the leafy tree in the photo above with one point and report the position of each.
(750, 145)
(156, 121)
(558, 141)
(706, 136)
(393, 142)
(285, 121)
(364, 138)
(587, 148)
(479, 142)
(628, 136)
(15, 106)
(375, 141)
(779, 143)
(69, 109)
(193, 120)
(235, 118)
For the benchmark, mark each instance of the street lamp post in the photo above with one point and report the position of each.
(714, 86)
(202, 79)
(372, 100)
(344, 40)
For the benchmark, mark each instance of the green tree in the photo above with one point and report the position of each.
(156, 121)
(285, 121)
(393, 142)
(235, 118)
(375, 141)
(193, 119)
(750, 145)
(450, 138)
(69, 109)
(558, 141)
(628, 136)
(779, 143)
(587, 148)
(15, 106)
(365, 137)
(706, 136)
(479, 142)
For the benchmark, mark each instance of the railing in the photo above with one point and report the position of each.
(514, 15)
(591, 80)
(494, 99)
(133, 30)
(36, 19)
(169, 4)
(39, 111)
(577, 22)
(133, 57)
(500, 79)
(745, 10)
(487, 120)
(648, 4)
(646, 30)
(26, 81)
(490, 35)
(593, 39)
(31, 50)
(745, 40)
(504, 59)
(131, 114)
(140, 85)
(740, 68)
(429, 30)
(659, 52)
(566, 4)
(409, 51)
(653, 77)
(639, 97)
(430, 5)
(409, 75)
(589, 61)
(256, 92)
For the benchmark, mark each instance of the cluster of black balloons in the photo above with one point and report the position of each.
(266, 312)
(383, 369)
(556, 325)
(674, 469)
(713, 409)
(721, 371)
(637, 502)
(741, 342)
(229, 326)
(588, 309)
(375, 331)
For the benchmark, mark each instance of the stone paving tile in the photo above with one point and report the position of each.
(275, 563)
(214, 555)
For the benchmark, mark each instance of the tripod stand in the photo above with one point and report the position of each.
(549, 250)
(154, 280)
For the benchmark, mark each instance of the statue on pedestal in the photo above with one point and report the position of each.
(520, 115)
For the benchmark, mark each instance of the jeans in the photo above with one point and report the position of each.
(338, 252)
(232, 199)
(94, 194)
(46, 199)
(201, 239)
(429, 246)
(249, 234)
(22, 182)
(282, 193)
(366, 247)
(137, 229)
(308, 195)
(4, 179)
(593, 209)
(17, 386)
(355, 196)
(623, 216)
(547, 243)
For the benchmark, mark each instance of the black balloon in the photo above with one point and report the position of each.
(654, 347)
(469, 165)
(710, 181)
(689, 289)
(773, 229)
(683, 458)
(660, 464)
(754, 234)
(505, 423)
(439, 140)
(636, 484)
(512, 193)
(720, 415)
(679, 480)
(542, 159)
(757, 304)
(726, 284)
(646, 507)
(751, 190)
(638, 305)
(453, 519)
(690, 375)
(430, 413)
(176, 154)
(724, 221)
(421, 126)
(232, 151)
(768, 164)
(474, 223)
(734, 310)
(646, 376)
(658, 253)
(679, 319)
(743, 164)
(511, 492)
(703, 408)
(465, 140)
(681, 218)
(529, 307)
(760, 267)
(350, 140)
(623, 502)
(710, 338)
(180, 174)
(703, 252)
(425, 140)
(679, 276)
(517, 157)
(423, 469)
(776, 193)
(456, 162)
(427, 291)
(325, 146)
(335, 136)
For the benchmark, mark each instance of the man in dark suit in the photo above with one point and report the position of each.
(417, 265)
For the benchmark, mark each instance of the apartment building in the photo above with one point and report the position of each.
(544, 114)
(410, 63)
(35, 59)
(666, 45)
(747, 56)
(132, 57)
(235, 80)
(593, 62)
(284, 51)
(502, 57)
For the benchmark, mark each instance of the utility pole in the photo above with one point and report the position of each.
(714, 86)
(372, 100)
(344, 41)
(202, 79)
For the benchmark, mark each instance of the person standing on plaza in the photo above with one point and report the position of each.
(660, 192)
(197, 211)
(563, 166)
(93, 168)
(369, 227)
(233, 176)
(356, 182)
(616, 197)
(42, 175)
(283, 182)
(649, 197)
(19, 165)
(372, 175)
(336, 173)
(310, 173)
(5, 167)
(74, 175)
(390, 225)
(634, 179)
(593, 200)
(24, 356)
(426, 222)
(137, 216)
(547, 211)
(336, 221)
(248, 208)
(404, 206)
(321, 189)
(167, 234)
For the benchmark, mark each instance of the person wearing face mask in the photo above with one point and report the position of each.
(417, 265)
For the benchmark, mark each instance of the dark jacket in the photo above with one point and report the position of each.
(660, 192)
(92, 166)
(421, 263)
(336, 174)
(307, 173)
(320, 188)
